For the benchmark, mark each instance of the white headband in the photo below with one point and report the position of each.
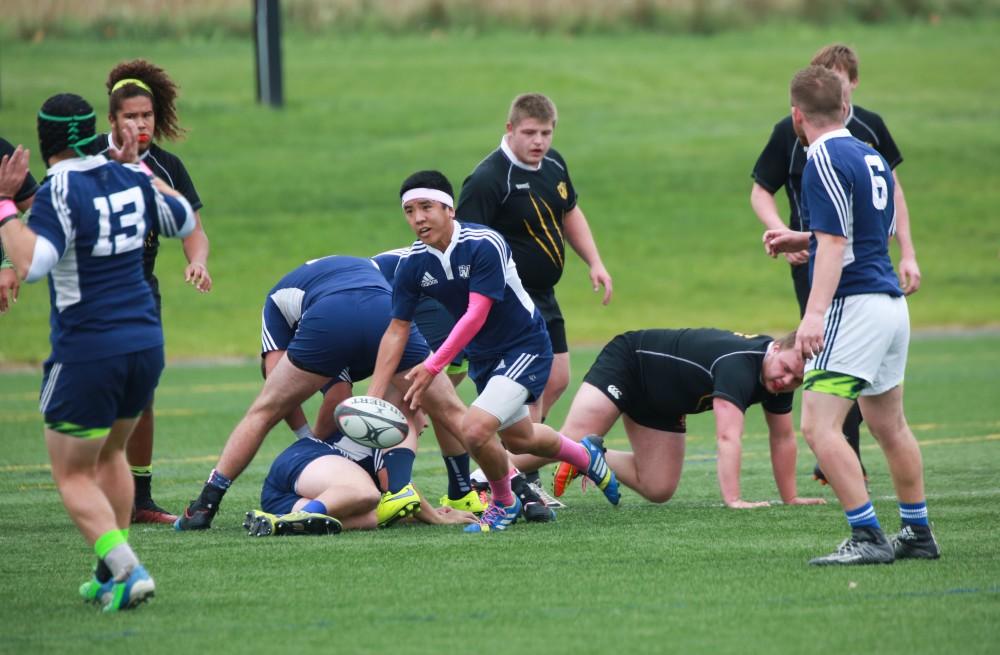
(429, 194)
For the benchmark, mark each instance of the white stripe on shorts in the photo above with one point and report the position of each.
(50, 385)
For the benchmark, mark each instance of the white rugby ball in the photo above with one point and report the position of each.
(371, 422)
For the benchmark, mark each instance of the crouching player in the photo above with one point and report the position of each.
(654, 378)
(313, 480)
(89, 221)
(469, 269)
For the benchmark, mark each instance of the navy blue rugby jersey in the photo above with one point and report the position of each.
(847, 190)
(477, 260)
(96, 214)
(318, 278)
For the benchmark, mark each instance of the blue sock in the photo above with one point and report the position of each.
(914, 513)
(458, 475)
(219, 481)
(314, 507)
(863, 517)
(399, 466)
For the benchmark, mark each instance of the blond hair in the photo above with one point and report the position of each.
(532, 105)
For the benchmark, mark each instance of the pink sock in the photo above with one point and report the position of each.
(501, 491)
(573, 453)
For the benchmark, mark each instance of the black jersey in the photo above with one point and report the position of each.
(527, 207)
(682, 371)
(29, 187)
(784, 158)
(169, 168)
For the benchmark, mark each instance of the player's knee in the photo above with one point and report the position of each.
(476, 432)
(659, 493)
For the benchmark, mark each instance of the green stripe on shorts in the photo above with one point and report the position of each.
(74, 430)
(834, 384)
(455, 369)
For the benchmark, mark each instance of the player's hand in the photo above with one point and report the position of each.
(784, 240)
(197, 274)
(806, 501)
(452, 516)
(909, 275)
(419, 378)
(746, 504)
(797, 258)
(128, 153)
(599, 277)
(9, 287)
(809, 336)
(13, 170)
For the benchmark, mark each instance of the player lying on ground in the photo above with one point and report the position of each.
(654, 378)
(469, 269)
(88, 223)
(313, 480)
(323, 321)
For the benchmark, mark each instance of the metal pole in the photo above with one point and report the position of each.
(267, 47)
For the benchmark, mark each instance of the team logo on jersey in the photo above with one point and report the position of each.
(463, 271)
(501, 365)
(522, 187)
(428, 280)
(615, 391)
(563, 191)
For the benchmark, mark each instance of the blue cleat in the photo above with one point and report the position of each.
(497, 517)
(136, 589)
(599, 471)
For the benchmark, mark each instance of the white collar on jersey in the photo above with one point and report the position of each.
(111, 144)
(850, 115)
(832, 134)
(77, 164)
(513, 158)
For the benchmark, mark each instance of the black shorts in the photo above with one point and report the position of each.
(800, 281)
(616, 373)
(548, 307)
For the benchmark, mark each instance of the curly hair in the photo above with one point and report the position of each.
(161, 90)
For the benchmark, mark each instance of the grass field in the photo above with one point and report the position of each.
(660, 133)
(688, 576)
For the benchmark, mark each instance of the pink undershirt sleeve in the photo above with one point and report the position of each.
(466, 328)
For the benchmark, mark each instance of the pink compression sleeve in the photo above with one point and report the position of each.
(466, 328)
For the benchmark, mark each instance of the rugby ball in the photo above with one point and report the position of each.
(371, 421)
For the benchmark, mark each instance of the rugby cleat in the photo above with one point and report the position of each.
(599, 472)
(532, 505)
(128, 594)
(865, 546)
(915, 542)
(470, 502)
(542, 494)
(306, 523)
(496, 517)
(258, 523)
(395, 506)
(150, 512)
(197, 516)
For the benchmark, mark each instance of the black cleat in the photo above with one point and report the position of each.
(533, 507)
(915, 542)
(197, 516)
(865, 546)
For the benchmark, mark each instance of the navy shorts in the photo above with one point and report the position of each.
(278, 494)
(435, 323)
(338, 336)
(529, 366)
(83, 399)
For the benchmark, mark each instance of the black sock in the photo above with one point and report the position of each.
(143, 493)
(102, 572)
(211, 496)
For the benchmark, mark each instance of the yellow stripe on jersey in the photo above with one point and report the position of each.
(534, 236)
(541, 220)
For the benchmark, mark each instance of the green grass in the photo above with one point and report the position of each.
(687, 576)
(660, 134)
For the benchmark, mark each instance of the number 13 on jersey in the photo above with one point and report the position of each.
(131, 224)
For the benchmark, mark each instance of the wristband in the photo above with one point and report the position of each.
(7, 210)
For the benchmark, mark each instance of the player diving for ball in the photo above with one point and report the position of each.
(468, 268)
(322, 324)
(654, 378)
